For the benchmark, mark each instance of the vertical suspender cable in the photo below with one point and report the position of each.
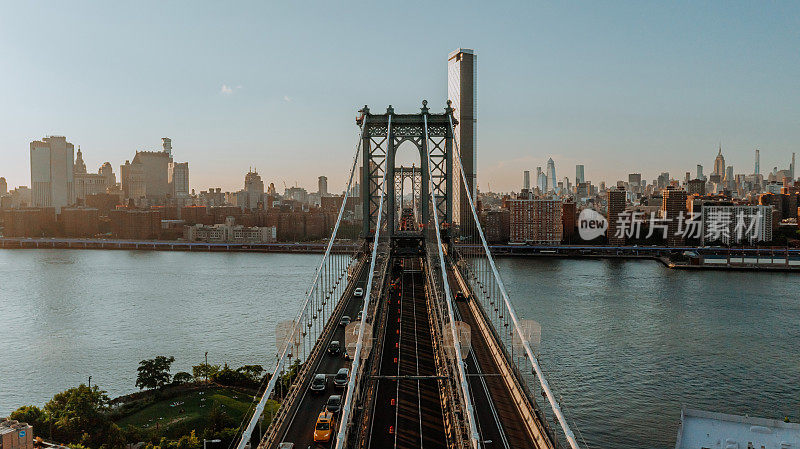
(512, 314)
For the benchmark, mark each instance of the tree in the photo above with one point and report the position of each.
(253, 372)
(154, 373)
(32, 415)
(181, 378)
(80, 411)
(204, 371)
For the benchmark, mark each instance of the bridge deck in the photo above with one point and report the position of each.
(415, 420)
(300, 427)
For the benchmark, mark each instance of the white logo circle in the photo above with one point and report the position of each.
(591, 224)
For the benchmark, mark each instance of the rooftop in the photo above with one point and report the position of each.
(700, 429)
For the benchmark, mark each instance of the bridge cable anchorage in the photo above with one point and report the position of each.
(470, 412)
(350, 391)
(303, 315)
(510, 313)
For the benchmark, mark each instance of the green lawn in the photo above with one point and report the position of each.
(191, 412)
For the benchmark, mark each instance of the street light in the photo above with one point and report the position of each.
(210, 441)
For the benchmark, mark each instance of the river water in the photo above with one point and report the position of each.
(625, 343)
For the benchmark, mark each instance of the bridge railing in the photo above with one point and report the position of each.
(296, 339)
(475, 260)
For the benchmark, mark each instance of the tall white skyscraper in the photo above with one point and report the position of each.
(551, 175)
(52, 182)
(462, 91)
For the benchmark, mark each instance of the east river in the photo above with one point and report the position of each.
(624, 343)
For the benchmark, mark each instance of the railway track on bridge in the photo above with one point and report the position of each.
(408, 412)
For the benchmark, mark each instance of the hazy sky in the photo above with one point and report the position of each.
(619, 87)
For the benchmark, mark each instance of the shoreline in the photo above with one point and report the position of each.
(658, 254)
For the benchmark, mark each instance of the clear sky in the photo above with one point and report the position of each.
(620, 87)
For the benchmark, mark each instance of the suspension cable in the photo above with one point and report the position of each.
(350, 391)
(510, 309)
(474, 435)
(248, 432)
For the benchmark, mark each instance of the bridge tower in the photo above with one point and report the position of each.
(382, 135)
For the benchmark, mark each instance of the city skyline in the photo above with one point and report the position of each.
(695, 76)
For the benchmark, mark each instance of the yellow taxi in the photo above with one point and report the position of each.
(323, 430)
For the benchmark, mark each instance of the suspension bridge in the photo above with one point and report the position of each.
(410, 340)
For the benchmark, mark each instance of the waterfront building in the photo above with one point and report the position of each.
(79, 222)
(229, 232)
(135, 224)
(496, 225)
(462, 91)
(536, 221)
(616, 206)
(30, 222)
(673, 206)
(569, 219)
(702, 429)
(736, 224)
(52, 174)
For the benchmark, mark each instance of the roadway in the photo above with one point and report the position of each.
(500, 423)
(300, 427)
(408, 411)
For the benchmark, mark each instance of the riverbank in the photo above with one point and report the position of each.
(175, 245)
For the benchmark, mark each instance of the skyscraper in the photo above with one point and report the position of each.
(52, 182)
(166, 146)
(526, 180)
(635, 182)
(178, 178)
(253, 190)
(616, 205)
(579, 178)
(758, 162)
(791, 168)
(551, 176)
(719, 164)
(700, 172)
(462, 88)
(322, 183)
(3, 186)
(673, 203)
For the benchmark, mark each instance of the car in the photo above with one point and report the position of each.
(460, 296)
(319, 383)
(344, 321)
(358, 292)
(335, 348)
(360, 315)
(323, 430)
(334, 404)
(341, 378)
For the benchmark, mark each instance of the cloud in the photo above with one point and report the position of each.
(287, 98)
(227, 90)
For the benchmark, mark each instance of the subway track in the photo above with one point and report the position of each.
(499, 421)
(408, 412)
